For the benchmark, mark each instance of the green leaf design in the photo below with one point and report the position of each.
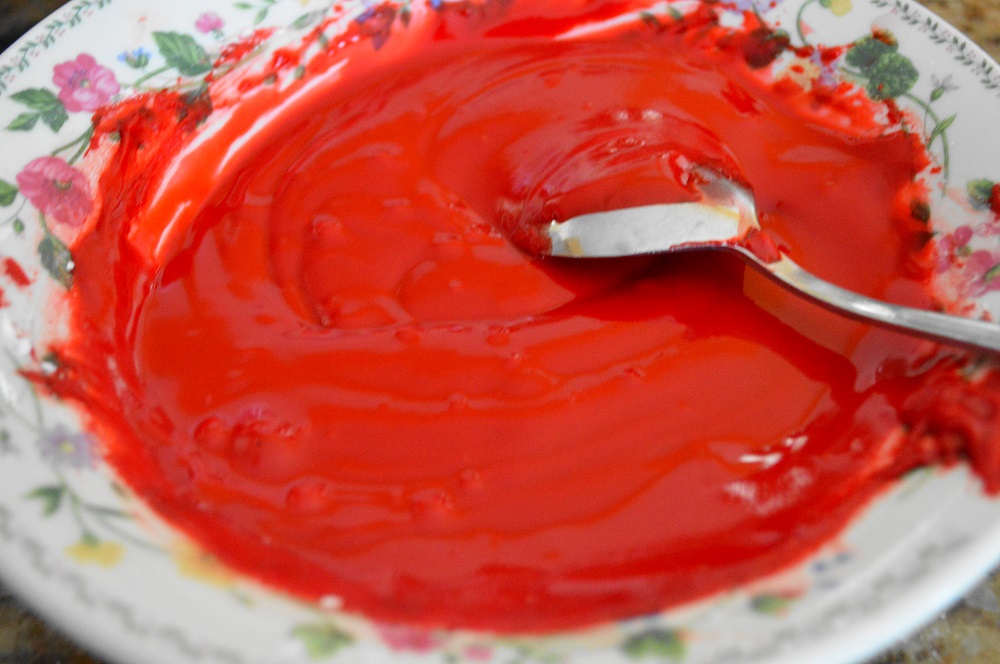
(56, 259)
(45, 106)
(940, 128)
(980, 191)
(183, 53)
(111, 512)
(24, 122)
(50, 496)
(937, 93)
(306, 20)
(890, 77)
(18, 225)
(865, 53)
(261, 15)
(322, 640)
(657, 643)
(55, 117)
(243, 5)
(771, 605)
(8, 193)
(991, 274)
(38, 99)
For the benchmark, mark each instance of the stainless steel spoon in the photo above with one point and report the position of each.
(726, 218)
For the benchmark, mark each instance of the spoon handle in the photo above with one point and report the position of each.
(948, 329)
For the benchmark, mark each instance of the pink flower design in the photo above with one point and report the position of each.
(400, 637)
(953, 248)
(983, 271)
(57, 190)
(479, 653)
(83, 84)
(209, 22)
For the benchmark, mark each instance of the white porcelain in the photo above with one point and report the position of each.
(90, 558)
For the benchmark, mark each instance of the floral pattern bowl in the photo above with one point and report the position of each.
(85, 552)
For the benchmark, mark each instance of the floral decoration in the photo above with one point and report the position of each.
(411, 639)
(194, 563)
(321, 640)
(64, 448)
(657, 643)
(91, 551)
(84, 85)
(137, 58)
(773, 604)
(50, 194)
(57, 190)
(209, 22)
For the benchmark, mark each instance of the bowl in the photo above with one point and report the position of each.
(81, 547)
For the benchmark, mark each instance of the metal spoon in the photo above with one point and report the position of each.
(725, 218)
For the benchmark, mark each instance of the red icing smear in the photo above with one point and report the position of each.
(15, 273)
(336, 375)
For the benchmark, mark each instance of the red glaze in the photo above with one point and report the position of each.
(15, 273)
(333, 372)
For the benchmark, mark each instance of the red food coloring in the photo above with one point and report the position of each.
(235, 52)
(284, 58)
(950, 420)
(329, 346)
(885, 37)
(741, 99)
(763, 45)
(761, 245)
(15, 273)
(829, 54)
(545, 26)
(995, 198)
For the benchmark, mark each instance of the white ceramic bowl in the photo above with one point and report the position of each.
(89, 557)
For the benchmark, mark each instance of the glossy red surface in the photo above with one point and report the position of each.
(316, 354)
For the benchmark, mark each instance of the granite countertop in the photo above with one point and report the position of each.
(969, 633)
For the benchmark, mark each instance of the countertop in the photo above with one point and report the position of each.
(969, 633)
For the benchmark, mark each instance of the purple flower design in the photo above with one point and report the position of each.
(62, 447)
(828, 68)
(83, 84)
(376, 22)
(136, 58)
(943, 84)
(57, 190)
(209, 22)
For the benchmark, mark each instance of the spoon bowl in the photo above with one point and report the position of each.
(725, 218)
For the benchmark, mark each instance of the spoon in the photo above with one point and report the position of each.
(726, 219)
